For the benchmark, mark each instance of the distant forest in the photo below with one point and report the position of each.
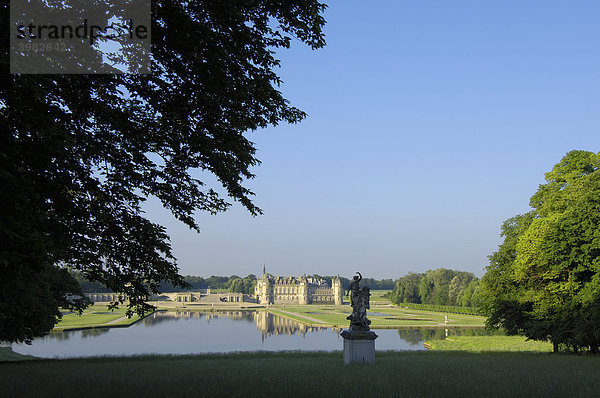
(373, 284)
(233, 283)
(440, 287)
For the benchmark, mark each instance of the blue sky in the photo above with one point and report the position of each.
(430, 123)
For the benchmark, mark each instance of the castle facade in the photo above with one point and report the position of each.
(301, 290)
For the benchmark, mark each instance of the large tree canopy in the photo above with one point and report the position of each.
(83, 152)
(438, 287)
(544, 281)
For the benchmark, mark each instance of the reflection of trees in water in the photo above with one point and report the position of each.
(168, 316)
(411, 336)
(157, 318)
(93, 332)
(60, 336)
(85, 333)
(414, 336)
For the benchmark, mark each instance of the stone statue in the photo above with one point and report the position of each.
(359, 340)
(359, 300)
(354, 289)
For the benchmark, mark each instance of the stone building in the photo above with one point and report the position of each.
(203, 296)
(301, 290)
(105, 297)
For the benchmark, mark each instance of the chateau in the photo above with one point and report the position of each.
(302, 290)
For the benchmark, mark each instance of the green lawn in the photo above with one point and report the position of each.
(296, 315)
(387, 317)
(95, 315)
(377, 296)
(7, 354)
(489, 343)
(290, 374)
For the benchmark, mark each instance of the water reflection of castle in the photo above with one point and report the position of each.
(271, 324)
(268, 324)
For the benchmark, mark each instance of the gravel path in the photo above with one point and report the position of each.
(116, 320)
(303, 316)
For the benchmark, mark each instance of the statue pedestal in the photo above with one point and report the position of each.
(359, 346)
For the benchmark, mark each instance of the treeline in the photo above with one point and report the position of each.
(237, 284)
(88, 286)
(441, 286)
(233, 283)
(373, 284)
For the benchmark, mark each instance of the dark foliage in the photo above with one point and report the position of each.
(83, 152)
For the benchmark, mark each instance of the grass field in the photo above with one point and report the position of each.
(489, 343)
(7, 354)
(95, 315)
(388, 317)
(410, 374)
(377, 296)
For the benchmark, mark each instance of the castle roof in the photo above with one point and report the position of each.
(292, 280)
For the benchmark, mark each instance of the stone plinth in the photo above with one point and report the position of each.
(359, 346)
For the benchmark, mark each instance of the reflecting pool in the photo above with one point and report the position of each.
(189, 332)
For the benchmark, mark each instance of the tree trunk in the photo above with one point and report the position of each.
(555, 346)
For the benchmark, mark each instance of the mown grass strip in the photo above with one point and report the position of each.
(489, 343)
(307, 374)
(450, 309)
(335, 316)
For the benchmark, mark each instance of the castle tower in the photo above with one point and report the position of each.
(336, 286)
(303, 291)
(264, 289)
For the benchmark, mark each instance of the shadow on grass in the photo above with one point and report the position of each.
(302, 373)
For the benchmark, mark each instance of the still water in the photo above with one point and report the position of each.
(187, 332)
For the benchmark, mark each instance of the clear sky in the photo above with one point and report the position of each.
(430, 123)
